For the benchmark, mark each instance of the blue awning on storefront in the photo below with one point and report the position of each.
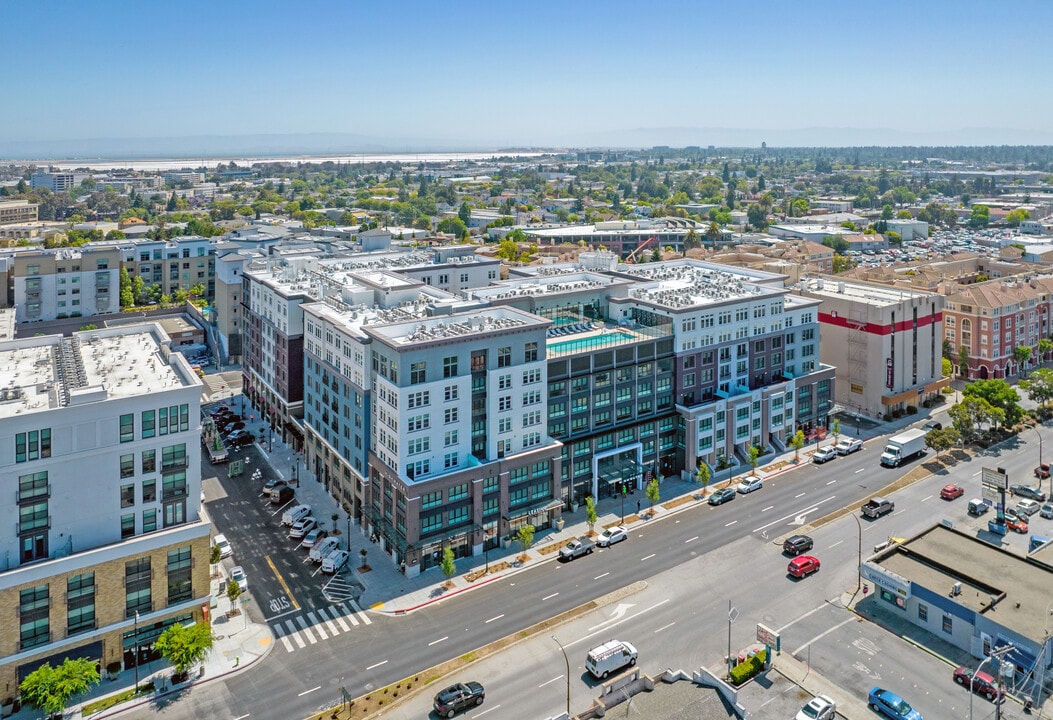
(1022, 659)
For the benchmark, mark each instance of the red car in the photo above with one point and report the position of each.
(1016, 524)
(982, 683)
(950, 492)
(803, 565)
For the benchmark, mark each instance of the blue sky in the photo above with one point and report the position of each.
(430, 75)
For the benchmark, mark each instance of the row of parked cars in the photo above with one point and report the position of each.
(231, 427)
(322, 549)
(844, 446)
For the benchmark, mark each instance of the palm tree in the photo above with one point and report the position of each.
(713, 233)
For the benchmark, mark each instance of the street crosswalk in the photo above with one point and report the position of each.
(308, 628)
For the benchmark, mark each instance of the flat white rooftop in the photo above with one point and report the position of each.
(684, 285)
(38, 374)
(875, 295)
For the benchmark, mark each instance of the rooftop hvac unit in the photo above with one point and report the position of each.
(956, 589)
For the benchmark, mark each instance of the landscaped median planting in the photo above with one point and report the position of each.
(748, 669)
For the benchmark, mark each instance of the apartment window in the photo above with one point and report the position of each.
(127, 495)
(80, 603)
(504, 425)
(418, 399)
(450, 415)
(149, 461)
(175, 512)
(127, 465)
(504, 382)
(33, 517)
(149, 491)
(450, 438)
(504, 357)
(418, 372)
(137, 587)
(32, 445)
(530, 352)
(534, 397)
(450, 392)
(149, 421)
(432, 499)
(173, 486)
(504, 403)
(127, 428)
(179, 566)
(127, 525)
(33, 485)
(34, 628)
(149, 520)
(173, 456)
(458, 492)
(449, 367)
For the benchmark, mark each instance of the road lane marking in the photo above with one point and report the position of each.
(496, 617)
(648, 557)
(975, 474)
(306, 692)
(601, 576)
(547, 682)
(664, 627)
(242, 717)
(821, 635)
(798, 495)
(858, 471)
(930, 497)
(382, 662)
(281, 581)
(549, 597)
(835, 544)
(831, 482)
(486, 711)
(802, 617)
(725, 525)
(607, 626)
(691, 539)
(810, 509)
(767, 508)
(436, 642)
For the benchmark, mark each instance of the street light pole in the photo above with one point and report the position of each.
(567, 661)
(1040, 460)
(859, 563)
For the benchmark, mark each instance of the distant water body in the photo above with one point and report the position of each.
(163, 164)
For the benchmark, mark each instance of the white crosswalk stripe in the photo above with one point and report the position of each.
(312, 626)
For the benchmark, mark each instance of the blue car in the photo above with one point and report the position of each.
(891, 704)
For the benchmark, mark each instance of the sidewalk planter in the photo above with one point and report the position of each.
(113, 670)
(747, 670)
(7, 707)
(559, 523)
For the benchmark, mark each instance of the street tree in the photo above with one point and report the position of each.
(1044, 347)
(970, 415)
(942, 440)
(525, 536)
(999, 394)
(653, 493)
(963, 361)
(448, 564)
(1022, 353)
(590, 513)
(183, 646)
(835, 429)
(215, 554)
(49, 689)
(946, 367)
(703, 474)
(233, 592)
(797, 443)
(753, 457)
(1039, 387)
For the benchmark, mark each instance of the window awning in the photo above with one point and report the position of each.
(542, 506)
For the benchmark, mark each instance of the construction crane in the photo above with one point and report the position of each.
(632, 256)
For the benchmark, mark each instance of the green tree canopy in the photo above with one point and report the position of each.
(50, 689)
(999, 394)
(185, 647)
(454, 226)
(1015, 217)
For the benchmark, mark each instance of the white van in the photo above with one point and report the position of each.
(319, 551)
(297, 512)
(610, 657)
(334, 561)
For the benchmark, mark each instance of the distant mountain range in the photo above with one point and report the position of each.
(269, 145)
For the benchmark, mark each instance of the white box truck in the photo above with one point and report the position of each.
(903, 447)
(610, 657)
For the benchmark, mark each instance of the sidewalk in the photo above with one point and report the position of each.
(388, 591)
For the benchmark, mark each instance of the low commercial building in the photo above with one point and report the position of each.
(974, 595)
(17, 211)
(106, 545)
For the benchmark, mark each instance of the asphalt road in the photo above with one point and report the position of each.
(698, 539)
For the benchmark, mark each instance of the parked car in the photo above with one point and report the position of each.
(824, 454)
(224, 546)
(234, 427)
(932, 425)
(796, 544)
(719, 497)
(847, 446)
(334, 561)
(238, 434)
(803, 566)
(238, 440)
(978, 507)
(272, 484)
(459, 697)
(612, 535)
(1016, 524)
(980, 682)
(749, 484)
(1027, 508)
(313, 537)
(302, 527)
(323, 548)
(950, 492)
(237, 573)
(576, 548)
(1028, 491)
(1046, 511)
(891, 704)
(820, 707)
(1042, 471)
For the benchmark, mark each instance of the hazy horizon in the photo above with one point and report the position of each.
(111, 79)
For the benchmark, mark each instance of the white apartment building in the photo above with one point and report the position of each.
(100, 449)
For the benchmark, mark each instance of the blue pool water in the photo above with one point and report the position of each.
(590, 342)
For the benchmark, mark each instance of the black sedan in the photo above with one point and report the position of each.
(459, 697)
(719, 497)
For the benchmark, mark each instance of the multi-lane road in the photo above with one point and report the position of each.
(699, 558)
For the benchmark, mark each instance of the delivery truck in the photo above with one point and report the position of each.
(903, 447)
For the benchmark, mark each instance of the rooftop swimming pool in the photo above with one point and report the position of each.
(590, 342)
